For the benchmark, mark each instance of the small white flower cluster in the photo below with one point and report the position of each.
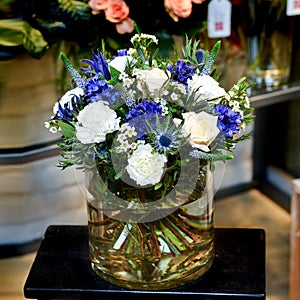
(142, 37)
(127, 140)
(238, 101)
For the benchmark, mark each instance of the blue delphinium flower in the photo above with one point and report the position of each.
(140, 114)
(94, 87)
(182, 71)
(99, 65)
(229, 121)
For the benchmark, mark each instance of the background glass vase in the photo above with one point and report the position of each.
(269, 43)
(169, 251)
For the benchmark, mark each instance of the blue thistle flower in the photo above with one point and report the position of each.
(229, 121)
(166, 136)
(165, 141)
(182, 71)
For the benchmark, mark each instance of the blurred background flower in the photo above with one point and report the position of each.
(35, 25)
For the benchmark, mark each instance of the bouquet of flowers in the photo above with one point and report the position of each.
(150, 128)
(138, 102)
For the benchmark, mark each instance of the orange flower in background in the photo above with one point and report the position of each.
(180, 8)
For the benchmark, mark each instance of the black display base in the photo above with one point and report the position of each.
(61, 269)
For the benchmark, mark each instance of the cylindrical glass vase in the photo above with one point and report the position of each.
(151, 247)
(269, 43)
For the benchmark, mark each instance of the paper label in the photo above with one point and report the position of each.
(219, 18)
(293, 7)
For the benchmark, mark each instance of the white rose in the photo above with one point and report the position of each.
(67, 97)
(95, 121)
(205, 88)
(154, 78)
(145, 166)
(119, 62)
(202, 128)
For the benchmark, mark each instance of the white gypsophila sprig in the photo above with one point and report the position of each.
(126, 138)
(144, 39)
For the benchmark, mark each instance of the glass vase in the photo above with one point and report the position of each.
(269, 43)
(136, 245)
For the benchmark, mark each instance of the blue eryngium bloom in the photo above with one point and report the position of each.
(182, 71)
(229, 121)
(99, 64)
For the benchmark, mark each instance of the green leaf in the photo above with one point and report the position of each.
(17, 32)
(157, 186)
(67, 130)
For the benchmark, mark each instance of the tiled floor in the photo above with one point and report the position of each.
(253, 209)
(248, 209)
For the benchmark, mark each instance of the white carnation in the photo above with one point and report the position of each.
(205, 88)
(95, 121)
(145, 166)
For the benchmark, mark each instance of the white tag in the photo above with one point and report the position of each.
(219, 18)
(293, 7)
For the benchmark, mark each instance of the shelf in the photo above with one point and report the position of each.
(263, 98)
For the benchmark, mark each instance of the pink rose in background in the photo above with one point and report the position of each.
(98, 5)
(117, 11)
(198, 1)
(178, 8)
(125, 26)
